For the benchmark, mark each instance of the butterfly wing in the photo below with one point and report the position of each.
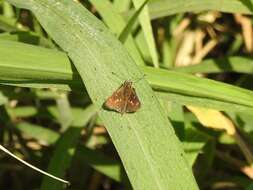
(133, 102)
(116, 101)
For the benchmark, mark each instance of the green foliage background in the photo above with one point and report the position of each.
(60, 60)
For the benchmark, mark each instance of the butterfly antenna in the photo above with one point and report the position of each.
(137, 80)
(118, 76)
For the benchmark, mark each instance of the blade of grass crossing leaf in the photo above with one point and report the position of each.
(27, 68)
(127, 30)
(147, 30)
(97, 54)
(116, 23)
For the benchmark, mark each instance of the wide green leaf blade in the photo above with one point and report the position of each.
(181, 83)
(23, 66)
(28, 69)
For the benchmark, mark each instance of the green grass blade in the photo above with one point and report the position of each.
(147, 30)
(205, 102)
(61, 159)
(7, 24)
(161, 8)
(181, 83)
(143, 47)
(229, 64)
(116, 23)
(8, 10)
(25, 63)
(144, 143)
(27, 68)
(65, 115)
(27, 37)
(127, 30)
(3, 99)
(176, 114)
(40, 133)
(193, 143)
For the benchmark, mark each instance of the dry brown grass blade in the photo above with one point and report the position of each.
(204, 51)
(247, 31)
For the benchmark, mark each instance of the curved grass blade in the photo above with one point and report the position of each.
(127, 30)
(147, 30)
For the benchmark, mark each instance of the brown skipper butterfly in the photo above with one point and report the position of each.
(124, 99)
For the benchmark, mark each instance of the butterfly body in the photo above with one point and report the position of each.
(124, 99)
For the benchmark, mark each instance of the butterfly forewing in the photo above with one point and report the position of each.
(116, 101)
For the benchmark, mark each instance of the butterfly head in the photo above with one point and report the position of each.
(128, 83)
